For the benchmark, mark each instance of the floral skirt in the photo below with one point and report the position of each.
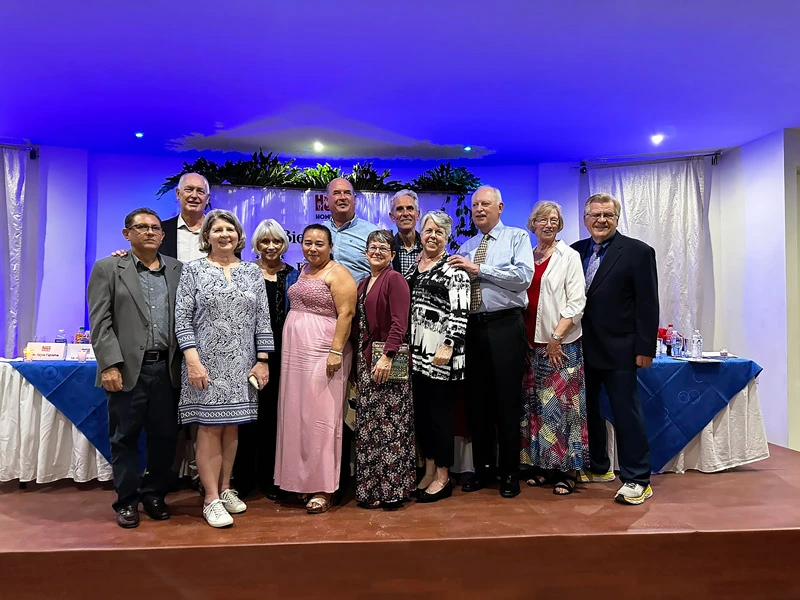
(554, 434)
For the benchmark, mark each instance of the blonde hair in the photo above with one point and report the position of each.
(227, 216)
(540, 208)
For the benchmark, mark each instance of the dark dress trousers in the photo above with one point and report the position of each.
(620, 321)
(120, 322)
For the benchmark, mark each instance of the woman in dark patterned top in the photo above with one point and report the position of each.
(255, 459)
(439, 310)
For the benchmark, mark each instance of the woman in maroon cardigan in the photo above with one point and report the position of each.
(385, 473)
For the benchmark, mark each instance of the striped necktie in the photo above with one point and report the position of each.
(475, 291)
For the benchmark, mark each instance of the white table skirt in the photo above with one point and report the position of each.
(37, 442)
(735, 437)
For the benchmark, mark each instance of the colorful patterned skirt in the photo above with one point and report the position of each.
(554, 434)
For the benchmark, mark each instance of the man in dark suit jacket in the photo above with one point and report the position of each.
(620, 325)
(182, 232)
(131, 307)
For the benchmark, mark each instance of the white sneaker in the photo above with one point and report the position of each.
(589, 477)
(633, 493)
(230, 498)
(216, 515)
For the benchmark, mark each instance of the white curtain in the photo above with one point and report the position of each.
(18, 272)
(665, 205)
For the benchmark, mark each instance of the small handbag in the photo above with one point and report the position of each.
(399, 370)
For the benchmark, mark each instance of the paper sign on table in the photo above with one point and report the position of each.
(73, 352)
(47, 350)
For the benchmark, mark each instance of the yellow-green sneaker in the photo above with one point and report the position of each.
(589, 477)
(633, 493)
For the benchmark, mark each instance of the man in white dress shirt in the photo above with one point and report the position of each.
(182, 232)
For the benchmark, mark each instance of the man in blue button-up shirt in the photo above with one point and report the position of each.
(348, 231)
(500, 263)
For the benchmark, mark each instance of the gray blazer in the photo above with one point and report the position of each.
(118, 317)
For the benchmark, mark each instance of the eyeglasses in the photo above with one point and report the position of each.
(141, 228)
(598, 216)
(201, 192)
(379, 250)
(544, 221)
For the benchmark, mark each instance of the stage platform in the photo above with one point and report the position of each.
(728, 535)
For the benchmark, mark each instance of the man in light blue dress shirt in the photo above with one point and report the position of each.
(349, 232)
(500, 262)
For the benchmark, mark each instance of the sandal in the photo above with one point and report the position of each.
(318, 504)
(538, 478)
(566, 484)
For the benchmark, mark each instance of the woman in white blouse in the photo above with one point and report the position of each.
(554, 436)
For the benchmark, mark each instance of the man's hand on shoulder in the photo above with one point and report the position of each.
(120, 253)
(462, 262)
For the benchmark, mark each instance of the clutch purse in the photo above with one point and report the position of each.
(399, 370)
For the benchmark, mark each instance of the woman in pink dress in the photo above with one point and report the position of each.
(314, 368)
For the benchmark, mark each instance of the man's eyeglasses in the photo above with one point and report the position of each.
(201, 192)
(598, 216)
(379, 250)
(141, 228)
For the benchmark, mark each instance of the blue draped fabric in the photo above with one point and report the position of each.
(680, 398)
(69, 386)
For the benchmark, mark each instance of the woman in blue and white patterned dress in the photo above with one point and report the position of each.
(223, 328)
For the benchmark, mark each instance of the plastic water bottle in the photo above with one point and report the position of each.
(697, 344)
(669, 338)
(61, 337)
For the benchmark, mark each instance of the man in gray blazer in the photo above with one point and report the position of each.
(131, 308)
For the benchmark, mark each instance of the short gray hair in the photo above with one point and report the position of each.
(410, 193)
(440, 218)
(270, 229)
(493, 190)
(542, 207)
(182, 180)
(382, 235)
(602, 199)
(225, 215)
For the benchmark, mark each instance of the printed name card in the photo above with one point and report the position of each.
(80, 352)
(45, 351)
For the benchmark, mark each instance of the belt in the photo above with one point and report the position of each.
(485, 317)
(151, 356)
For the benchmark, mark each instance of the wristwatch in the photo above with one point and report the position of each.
(390, 353)
(447, 342)
(556, 337)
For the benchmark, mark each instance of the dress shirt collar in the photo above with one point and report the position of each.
(182, 225)
(494, 233)
(347, 225)
(141, 266)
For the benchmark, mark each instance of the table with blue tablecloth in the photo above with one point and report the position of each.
(688, 409)
(53, 422)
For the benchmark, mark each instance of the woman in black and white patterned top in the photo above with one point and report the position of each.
(439, 310)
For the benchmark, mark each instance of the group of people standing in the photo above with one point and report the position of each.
(262, 356)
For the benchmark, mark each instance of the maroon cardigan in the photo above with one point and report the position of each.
(387, 307)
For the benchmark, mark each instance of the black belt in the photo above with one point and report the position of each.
(485, 317)
(151, 356)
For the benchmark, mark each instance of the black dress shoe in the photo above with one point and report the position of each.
(445, 492)
(155, 508)
(128, 517)
(272, 492)
(509, 487)
(474, 483)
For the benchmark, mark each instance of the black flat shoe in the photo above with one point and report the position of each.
(418, 492)
(368, 505)
(445, 492)
(509, 486)
(155, 508)
(393, 505)
(128, 517)
(474, 483)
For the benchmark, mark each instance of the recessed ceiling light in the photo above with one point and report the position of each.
(319, 146)
(139, 134)
(467, 148)
(657, 138)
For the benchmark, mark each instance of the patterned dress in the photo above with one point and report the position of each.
(385, 468)
(554, 432)
(227, 322)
